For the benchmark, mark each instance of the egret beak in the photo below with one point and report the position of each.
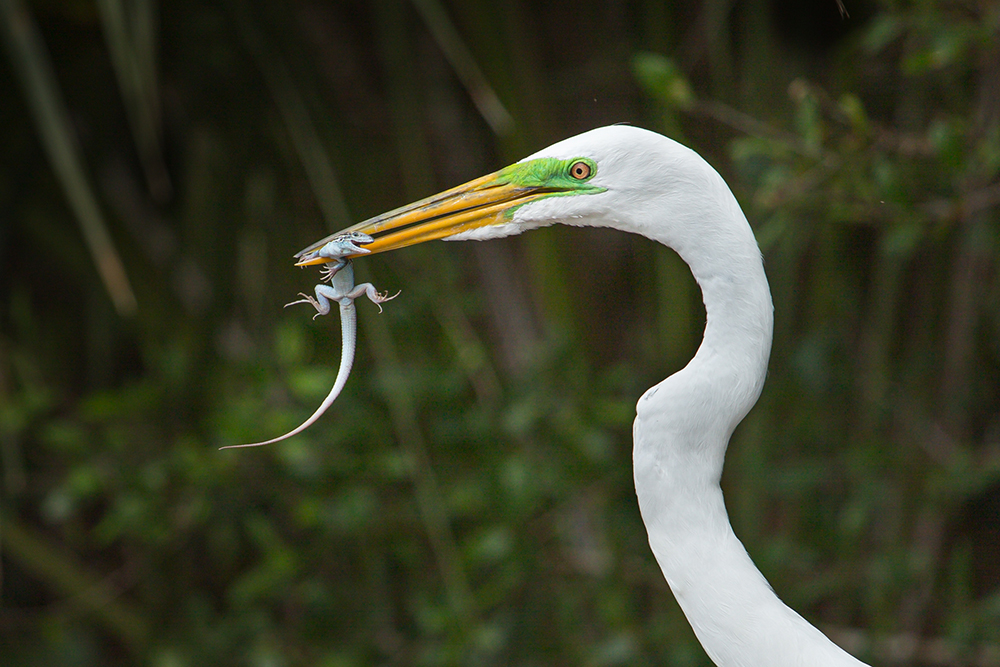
(484, 201)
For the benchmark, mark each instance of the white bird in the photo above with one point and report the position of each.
(641, 182)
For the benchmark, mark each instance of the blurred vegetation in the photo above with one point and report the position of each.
(468, 499)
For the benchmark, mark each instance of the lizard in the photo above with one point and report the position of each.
(343, 291)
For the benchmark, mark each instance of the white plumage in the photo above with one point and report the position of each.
(664, 191)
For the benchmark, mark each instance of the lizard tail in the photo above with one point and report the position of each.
(348, 328)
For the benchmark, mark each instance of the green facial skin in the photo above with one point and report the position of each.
(549, 175)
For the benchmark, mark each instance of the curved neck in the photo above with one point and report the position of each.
(681, 432)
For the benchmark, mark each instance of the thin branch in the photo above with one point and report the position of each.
(31, 63)
(131, 40)
(461, 60)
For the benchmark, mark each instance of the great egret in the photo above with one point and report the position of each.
(641, 182)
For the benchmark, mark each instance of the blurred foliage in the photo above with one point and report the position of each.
(468, 499)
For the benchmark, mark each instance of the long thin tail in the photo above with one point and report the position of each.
(348, 328)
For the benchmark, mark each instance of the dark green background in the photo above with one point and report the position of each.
(468, 500)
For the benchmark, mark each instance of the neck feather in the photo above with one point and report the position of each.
(681, 432)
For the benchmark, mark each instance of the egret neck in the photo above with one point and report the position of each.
(681, 433)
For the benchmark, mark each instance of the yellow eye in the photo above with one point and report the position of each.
(580, 170)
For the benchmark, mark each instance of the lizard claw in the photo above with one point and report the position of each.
(378, 298)
(331, 269)
(305, 299)
(311, 301)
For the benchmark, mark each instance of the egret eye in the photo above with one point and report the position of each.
(580, 170)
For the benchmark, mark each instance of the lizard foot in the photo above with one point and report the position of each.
(320, 310)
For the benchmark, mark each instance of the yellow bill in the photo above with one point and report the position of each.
(489, 200)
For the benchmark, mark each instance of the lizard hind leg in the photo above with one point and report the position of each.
(376, 297)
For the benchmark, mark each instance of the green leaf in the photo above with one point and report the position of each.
(662, 79)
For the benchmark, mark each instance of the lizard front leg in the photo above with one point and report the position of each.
(340, 275)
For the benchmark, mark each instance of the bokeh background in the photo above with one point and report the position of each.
(468, 499)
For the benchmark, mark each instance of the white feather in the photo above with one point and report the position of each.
(664, 191)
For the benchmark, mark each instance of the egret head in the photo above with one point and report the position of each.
(608, 177)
